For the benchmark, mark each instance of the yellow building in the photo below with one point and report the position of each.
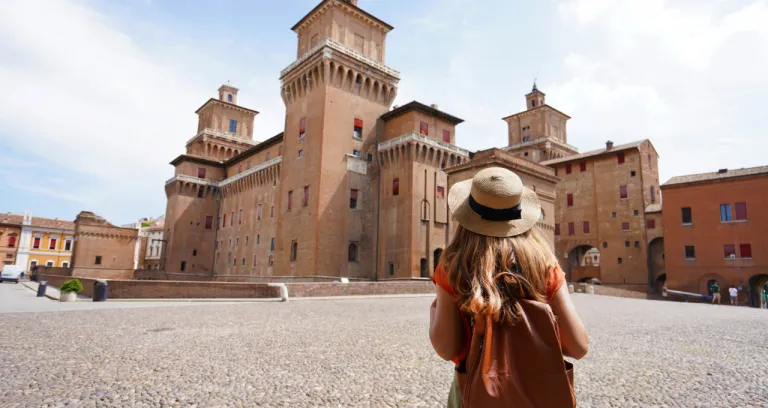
(45, 241)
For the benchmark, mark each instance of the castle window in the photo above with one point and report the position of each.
(557, 229)
(613, 214)
(440, 192)
(745, 250)
(741, 212)
(687, 215)
(208, 222)
(626, 244)
(254, 259)
(12, 241)
(356, 153)
(272, 212)
(650, 224)
(258, 239)
(194, 252)
(583, 166)
(258, 212)
(525, 154)
(301, 154)
(353, 198)
(352, 255)
(302, 127)
(370, 157)
(635, 212)
(200, 192)
(97, 261)
(243, 261)
(533, 104)
(391, 268)
(586, 227)
(620, 157)
(294, 250)
(447, 136)
(625, 226)
(632, 173)
(229, 97)
(290, 200)
(526, 139)
(396, 187)
(569, 199)
(305, 201)
(424, 128)
(271, 260)
(272, 244)
(605, 245)
(232, 126)
(623, 192)
(620, 261)
(637, 244)
(231, 218)
(358, 129)
(224, 222)
(183, 266)
(201, 172)
(690, 252)
(567, 169)
(571, 229)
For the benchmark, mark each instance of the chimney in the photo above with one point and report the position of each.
(608, 145)
(434, 106)
(722, 171)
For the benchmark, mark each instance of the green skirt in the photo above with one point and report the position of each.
(454, 396)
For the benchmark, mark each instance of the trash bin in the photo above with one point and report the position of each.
(100, 291)
(41, 288)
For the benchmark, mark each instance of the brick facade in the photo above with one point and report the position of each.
(725, 243)
(102, 250)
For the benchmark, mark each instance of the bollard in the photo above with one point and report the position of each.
(284, 293)
(100, 291)
(41, 288)
(570, 289)
(591, 290)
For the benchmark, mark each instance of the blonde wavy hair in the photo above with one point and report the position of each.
(491, 274)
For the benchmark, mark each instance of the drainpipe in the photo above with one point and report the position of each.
(378, 200)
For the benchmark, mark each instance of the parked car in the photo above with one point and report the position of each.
(12, 273)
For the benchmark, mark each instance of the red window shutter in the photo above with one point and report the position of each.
(623, 191)
(567, 169)
(741, 212)
(625, 226)
(745, 250)
(11, 242)
(557, 229)
(272, 212)
(447, 136)
(729, 250)
(620, 157)
(358, 123)
(36, 243)
(424, 128)
(52, 244)
(651, 224)
(224, 224)
(570, 200)
(395, 186)
(208, 222)
(302, 126)
(583, 166)
(353, 194)
(571, 229)
(201, 172)
(586, 227)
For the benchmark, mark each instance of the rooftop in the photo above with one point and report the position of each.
(418, 106)
(533, 109)
(723, 174)
(653, 208)
(326, 3)
(255, 149)
(595, 153)
(225, 103)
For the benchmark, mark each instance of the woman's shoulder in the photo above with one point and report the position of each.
(440, 278)
(555, 279)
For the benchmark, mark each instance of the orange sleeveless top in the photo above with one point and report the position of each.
(555, 281)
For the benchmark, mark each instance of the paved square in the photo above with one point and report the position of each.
(360, 353)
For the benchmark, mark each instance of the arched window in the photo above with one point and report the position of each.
(352, 256)
(229, 97)
(12, 241)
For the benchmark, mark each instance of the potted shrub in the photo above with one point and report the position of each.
(70, 289)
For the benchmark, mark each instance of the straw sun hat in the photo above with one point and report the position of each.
(494, 203)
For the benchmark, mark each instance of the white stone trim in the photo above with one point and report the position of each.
(541, 140)
(207, 182)
(337, 46)
(221, 135)
(417, 137)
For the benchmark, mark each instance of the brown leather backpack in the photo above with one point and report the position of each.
(518, 365)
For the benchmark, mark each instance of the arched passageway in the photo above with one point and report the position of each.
(758, 287)
(424, 268)
(583, 262)
(656, 263)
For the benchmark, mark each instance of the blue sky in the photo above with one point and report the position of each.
(98, 96)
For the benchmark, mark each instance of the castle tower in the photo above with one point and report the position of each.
(539, 132)
(334, 93)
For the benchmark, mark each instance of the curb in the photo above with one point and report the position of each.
(265, 300)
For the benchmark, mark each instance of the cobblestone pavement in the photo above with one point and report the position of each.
(361, 353)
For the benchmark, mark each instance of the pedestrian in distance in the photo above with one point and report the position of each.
(503, 313)
(715, 292)
(734, 293)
